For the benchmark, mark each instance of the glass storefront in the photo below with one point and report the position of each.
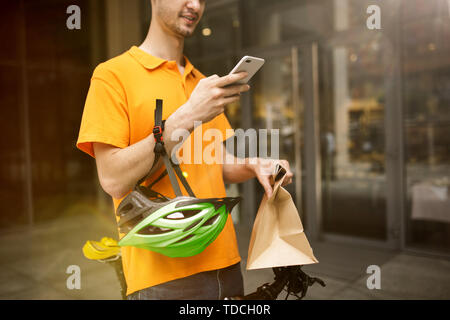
(426, 123)
(359, 162)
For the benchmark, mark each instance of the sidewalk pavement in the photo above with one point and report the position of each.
(33, 264)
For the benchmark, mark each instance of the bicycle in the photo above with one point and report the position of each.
(291, 279)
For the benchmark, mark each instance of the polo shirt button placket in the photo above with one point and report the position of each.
(183, 84)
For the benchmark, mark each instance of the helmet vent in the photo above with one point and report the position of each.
(126, 208)
(211, 220)
(153, 230)
(185, 238)
(175, 215)
(192, 225)
(182, 214)
(130, 224)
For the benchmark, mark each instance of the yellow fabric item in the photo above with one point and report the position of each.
(119, 111)
(105, 249)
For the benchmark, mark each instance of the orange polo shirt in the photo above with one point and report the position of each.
(119, 111)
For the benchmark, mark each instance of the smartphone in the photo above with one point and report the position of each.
(248, 64)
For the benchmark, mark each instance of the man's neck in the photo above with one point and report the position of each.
(163, 44)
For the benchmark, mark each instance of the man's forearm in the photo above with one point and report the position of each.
(259, 168)
(119, 169)
(235, 171)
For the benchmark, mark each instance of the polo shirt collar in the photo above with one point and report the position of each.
(152, 62)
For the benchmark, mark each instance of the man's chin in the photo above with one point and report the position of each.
(189, 34)
(186, 33)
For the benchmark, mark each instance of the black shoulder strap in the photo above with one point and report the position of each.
(160, 150)
(158, 137)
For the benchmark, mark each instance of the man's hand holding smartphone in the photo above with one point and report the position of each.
(213, 93)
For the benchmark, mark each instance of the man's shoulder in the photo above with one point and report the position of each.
(116, 67)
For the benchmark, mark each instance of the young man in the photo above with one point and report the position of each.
(116, 129)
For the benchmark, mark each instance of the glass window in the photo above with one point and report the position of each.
(352, 140)
(422, 9)
(280, 21)
(352, 15)
(426, 83)
(274, 108)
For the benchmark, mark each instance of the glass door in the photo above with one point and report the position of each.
(329, 104)
(426, 126)
(353, 140)
(277, 106)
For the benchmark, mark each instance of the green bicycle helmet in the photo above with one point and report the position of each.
(179, 227)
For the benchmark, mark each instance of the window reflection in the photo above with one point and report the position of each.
(353, 134)
(273, 108)
(281, 21)
(272, 103)
(426, 81)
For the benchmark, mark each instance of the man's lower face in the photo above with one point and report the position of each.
(186, 27)
(175, 20)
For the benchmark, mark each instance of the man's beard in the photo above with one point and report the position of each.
(173, 25)
(182, 32)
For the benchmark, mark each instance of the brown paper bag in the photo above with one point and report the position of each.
(277, 236)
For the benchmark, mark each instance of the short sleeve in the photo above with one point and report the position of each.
(221, 123)
(105, 115)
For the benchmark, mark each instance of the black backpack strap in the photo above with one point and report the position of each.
(172, 169)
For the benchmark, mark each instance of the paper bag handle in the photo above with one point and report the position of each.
(278, 174)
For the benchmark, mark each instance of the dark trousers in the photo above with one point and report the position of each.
(208, 285)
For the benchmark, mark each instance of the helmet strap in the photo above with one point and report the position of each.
(172, 169)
